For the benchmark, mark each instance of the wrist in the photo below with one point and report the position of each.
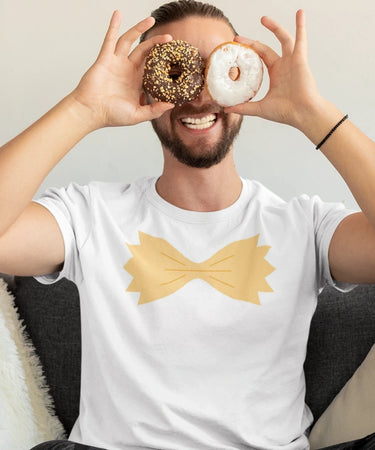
(82, 113)
(317, 119)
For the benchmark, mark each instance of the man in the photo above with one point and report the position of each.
(197, 288)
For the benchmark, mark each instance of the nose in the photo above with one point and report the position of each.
(204, 97)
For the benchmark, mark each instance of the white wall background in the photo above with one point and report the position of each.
(46, 46)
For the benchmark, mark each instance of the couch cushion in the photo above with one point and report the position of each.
(52, 318)
(351, 414)
(341, 335)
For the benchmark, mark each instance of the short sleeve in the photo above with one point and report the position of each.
(71, 208)
(326, 218)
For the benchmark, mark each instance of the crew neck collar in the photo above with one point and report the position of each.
(185, 215)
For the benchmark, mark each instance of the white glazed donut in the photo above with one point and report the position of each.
(234, 73)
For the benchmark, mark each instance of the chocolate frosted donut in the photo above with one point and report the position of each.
(174, 72)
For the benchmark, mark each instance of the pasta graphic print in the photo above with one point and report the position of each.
(238, 270)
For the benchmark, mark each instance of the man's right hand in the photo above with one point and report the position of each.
(111, 89)
(109, 94)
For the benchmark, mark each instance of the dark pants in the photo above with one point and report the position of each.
(367, 443)
(64, 445)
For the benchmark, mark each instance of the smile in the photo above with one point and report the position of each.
(195, 123)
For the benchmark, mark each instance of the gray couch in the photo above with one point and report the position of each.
(342, 333)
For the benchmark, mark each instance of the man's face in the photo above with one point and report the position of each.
(208, 142)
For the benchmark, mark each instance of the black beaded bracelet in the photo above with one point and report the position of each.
(331, 132)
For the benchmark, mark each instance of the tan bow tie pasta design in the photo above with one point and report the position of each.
(238, 270)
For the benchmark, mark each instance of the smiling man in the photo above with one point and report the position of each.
(195, 324)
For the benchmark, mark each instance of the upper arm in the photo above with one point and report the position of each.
(352, 250)
(33, 245)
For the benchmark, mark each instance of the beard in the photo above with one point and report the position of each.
(208, 154)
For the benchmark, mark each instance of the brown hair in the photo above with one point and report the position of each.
(180, 9)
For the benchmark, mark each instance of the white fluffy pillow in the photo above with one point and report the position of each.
(26, 411)
(351, 414)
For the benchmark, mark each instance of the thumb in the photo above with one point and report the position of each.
(246, 109)
(153, 111)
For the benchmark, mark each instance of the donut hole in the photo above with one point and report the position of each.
(174, 72)
(234, 73)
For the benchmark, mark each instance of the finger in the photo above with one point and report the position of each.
(143, 49)
(245, 109)
(268, 55)
(152, 111)
(110, 38)
(127, 39)
(301, 35)
(285, 39)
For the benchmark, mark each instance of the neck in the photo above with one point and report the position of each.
(200, 190)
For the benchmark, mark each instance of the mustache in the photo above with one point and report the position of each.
(188, 109)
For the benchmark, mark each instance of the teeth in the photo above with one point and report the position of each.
(199, 123)
(196, 120)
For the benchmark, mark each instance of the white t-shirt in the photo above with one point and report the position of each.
(194, 324)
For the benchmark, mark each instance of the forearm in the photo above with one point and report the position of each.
(26, 160)
(109, 94)
(350, 151)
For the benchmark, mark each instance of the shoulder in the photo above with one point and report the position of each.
(268, 199)
(119, 189)
(96, 191)
(307, 207)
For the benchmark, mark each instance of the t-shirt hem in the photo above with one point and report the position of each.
(328, 279)
(67, 236)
